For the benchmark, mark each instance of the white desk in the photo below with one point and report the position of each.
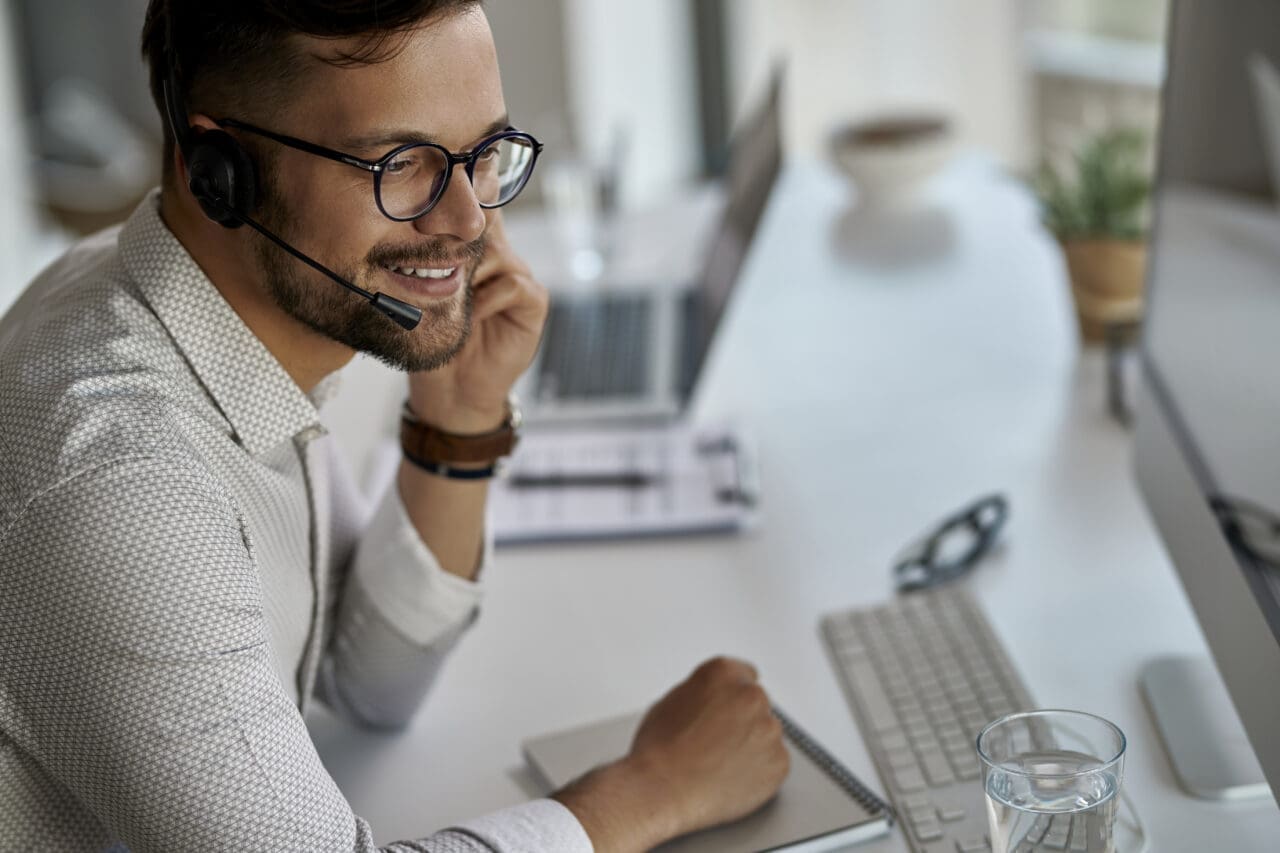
(883, 394)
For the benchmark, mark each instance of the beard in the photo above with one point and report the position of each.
(347, 318)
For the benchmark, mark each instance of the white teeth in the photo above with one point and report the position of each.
(425, 273)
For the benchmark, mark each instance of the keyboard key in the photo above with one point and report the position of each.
(917, 801)
(867, 684)
(937, 769)
(922, 814)
(902, 759)
(893, 739)
(927, 831)
(972, 845)
(918, 731)
(952, 814)
(909, 781)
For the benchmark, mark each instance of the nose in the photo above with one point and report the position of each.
(457, 214)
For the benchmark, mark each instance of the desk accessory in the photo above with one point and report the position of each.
(1099, 215)
(889, 157)
(821, 805)
(607, 483)
(1052, 780)
(952, 547)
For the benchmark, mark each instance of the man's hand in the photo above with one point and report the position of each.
(468, 395)
(708, 752)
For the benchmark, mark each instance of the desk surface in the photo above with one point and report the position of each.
(890, 368)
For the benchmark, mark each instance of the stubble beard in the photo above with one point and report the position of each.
(347, 318)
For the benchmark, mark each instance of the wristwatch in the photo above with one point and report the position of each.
(453, 455)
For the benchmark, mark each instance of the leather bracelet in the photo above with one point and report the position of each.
(421, 442)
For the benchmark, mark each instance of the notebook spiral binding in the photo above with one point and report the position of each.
(833, 768)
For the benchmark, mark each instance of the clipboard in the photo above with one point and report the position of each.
(566, 484)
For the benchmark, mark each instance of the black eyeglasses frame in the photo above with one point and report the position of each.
(920, 568)
(378, 166)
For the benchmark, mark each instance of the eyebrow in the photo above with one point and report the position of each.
(385, 139)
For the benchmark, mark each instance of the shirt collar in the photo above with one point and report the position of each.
(251, 388)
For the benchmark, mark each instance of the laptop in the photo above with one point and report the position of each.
(635, 353)
(1266, 91)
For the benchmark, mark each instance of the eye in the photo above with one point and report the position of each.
(402, 163)
(488, 155)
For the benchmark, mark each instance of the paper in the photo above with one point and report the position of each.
(573, 484)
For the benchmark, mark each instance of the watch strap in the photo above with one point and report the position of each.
(442, 470)
(425, 443)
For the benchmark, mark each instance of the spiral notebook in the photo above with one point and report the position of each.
(821, 806)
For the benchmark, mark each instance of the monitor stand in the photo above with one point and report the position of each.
(1201, 730)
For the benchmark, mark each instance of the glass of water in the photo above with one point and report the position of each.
(1052, 781)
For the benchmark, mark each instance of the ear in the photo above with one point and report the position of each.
(201, 122)
(221, 175)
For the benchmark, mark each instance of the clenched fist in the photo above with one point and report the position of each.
(708, 752)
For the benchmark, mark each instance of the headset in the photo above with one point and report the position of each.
(222, 178)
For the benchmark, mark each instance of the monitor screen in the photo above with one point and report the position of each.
(1208, 430)
(1213, 328)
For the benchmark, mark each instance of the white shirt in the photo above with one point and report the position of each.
(184, 565)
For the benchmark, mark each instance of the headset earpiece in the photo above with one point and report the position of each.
(221, 177)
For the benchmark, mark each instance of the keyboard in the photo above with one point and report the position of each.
(597, 348)
(924, 674)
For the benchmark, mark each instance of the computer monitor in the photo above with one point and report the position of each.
(1207, 450)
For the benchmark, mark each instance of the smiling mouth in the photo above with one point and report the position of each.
(436, 273)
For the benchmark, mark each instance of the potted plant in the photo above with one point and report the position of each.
(1100, 217)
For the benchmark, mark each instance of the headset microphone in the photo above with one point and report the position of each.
(405, 315)
(223, 181)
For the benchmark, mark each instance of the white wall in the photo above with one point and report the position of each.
(851, 58)
(575, 70)
(630, 64)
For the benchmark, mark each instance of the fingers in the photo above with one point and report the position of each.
(522, 299)
(722, 668)
(502, 283)
(499, 258)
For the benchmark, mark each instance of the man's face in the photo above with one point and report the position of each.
(443, 86)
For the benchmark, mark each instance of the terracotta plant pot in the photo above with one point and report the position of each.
(1107, 278)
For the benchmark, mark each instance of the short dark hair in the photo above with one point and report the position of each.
(220, 50)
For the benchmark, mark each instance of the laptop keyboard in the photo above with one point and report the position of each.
(924, 674)
(597, 348)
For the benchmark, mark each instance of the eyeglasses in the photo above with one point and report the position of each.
(953, 547)
(411, 179)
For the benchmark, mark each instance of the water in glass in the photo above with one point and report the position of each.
(1043, 808)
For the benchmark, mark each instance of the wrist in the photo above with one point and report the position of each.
(461, 420)
(623, 807)
(454, 453)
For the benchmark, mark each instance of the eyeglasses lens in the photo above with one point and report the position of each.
(502, 169)
(955, 545)
(412, 181)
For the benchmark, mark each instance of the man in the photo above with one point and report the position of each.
(182, 563)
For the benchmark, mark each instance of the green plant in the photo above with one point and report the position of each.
(1109, 193)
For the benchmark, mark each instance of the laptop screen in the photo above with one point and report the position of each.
(755, 160)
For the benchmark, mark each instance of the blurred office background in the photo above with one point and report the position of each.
(654, 86)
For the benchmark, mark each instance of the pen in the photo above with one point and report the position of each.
(584, 480)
